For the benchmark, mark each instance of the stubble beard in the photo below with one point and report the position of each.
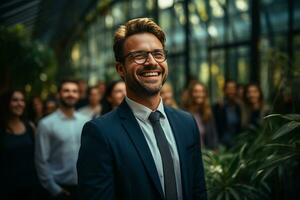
(142, 89)
(66, 104)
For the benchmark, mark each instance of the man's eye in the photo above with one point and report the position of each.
(139, 56)
(158, 54)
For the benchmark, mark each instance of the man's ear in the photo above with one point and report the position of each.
(120, 69)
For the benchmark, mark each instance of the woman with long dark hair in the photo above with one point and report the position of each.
(18, 178)
(198, 105)
(113, 97)
(254, 108)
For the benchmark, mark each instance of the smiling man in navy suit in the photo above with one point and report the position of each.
(142, 150)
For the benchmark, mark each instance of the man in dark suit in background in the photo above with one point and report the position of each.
(142, 150)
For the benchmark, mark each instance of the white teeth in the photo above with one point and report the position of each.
(150, 74)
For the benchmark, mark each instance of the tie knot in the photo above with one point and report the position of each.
(154, 116)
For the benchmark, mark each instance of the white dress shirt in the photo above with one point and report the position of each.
(142, 113)
(90, 111)
(56, 150)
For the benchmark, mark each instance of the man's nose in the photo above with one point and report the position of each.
(150, 60)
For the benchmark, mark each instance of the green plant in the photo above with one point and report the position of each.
(261, 163)
(25, 62)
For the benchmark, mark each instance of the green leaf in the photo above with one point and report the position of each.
(286, 128)
(266, 186)
(234, 194)
(268, 173)
(227, 196)
(287, 148)
(291, 117)
(272, 115)
(277, 161)
(220, 196)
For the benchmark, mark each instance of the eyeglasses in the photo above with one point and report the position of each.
(140, 57)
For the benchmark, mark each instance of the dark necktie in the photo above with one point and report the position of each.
(167, 161)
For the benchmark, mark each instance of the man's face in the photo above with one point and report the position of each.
(231, 90)
(94, 96)
(143, 79)
(69, 94)
(253, 94)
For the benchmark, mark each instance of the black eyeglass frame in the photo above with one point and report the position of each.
(132, 54)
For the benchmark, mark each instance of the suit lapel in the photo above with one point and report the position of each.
(178, 132)
(136, 135)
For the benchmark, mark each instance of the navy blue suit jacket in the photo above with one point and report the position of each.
(115, 162)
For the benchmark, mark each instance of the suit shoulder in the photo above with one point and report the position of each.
(178, 112)
(106, 120)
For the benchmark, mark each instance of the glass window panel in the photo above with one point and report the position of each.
(239, 20)
(276, 12)
(119, 11)
(296, 14)
(203, 72)
(216, 31)
(265, 25)
(296, 68)
(239, 28)
(280, 42)
(217, 74)
(176, 74)
(174, 31)
(137, 8)
(216, 8)
(296, 46)
(198, 54)
(274, 63)
(239, 64)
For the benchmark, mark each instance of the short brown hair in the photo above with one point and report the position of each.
(134, 26)
(63, 81)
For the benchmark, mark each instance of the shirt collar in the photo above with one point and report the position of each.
(63, 116)
(142, 112)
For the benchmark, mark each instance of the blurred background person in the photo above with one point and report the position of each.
(254, 108)
(50, 105)
(227, 114)
(114, 95)
(185, 94)
(241, 92)
(57, 145)
(93, 109)
(101, 87)
(198, 105)
(18, 179)
(83, 100)
(36, 109)
(285, 101)
(167, 96)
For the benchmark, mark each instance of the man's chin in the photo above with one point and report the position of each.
(68, 104)
(152, 91)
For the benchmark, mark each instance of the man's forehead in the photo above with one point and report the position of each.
(141, 40)
(69, 85)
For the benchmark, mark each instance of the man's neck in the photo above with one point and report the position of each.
(230, 101)
(150, 102)
(69, 112)
(94, 105)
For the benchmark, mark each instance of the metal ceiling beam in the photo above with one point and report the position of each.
(9, 3)
(20, 9)
(21, 16)
(20, 21)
